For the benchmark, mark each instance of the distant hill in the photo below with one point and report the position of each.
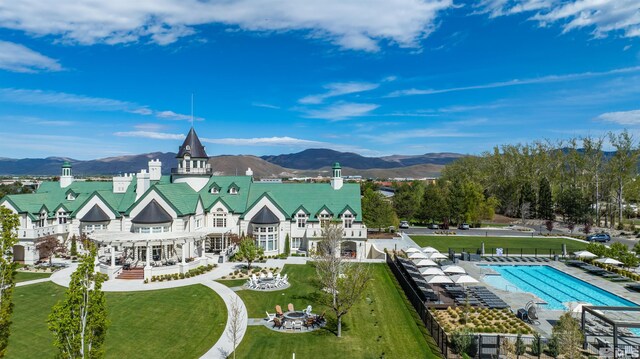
(308, 163)
(318, 158)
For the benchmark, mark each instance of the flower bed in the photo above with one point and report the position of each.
(245, 274)
(481, 320)
(175, 276)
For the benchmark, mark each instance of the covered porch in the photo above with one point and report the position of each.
(155, 253)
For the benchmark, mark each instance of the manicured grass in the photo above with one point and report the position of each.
(527, 244)
(27, 276)
(170, 323)
(380, 325)
(233, 282)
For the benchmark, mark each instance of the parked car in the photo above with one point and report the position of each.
(599, 237)
(464, 226)
(434, 226)
(404, 224)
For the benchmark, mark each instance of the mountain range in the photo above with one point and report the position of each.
(311, 162)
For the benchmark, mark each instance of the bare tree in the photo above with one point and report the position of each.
(236, 324)
(343, 281)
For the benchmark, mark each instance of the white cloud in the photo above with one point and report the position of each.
(17, 58)
(341, 111)
(265, 105)
(62, 99)
(351, 24)
(151, 134)
(338, 89)
(604, 16)
(170, 115)
(625, 118)
(515, 82)
(264, 141)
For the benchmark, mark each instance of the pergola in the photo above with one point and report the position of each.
(620, 319)
(187, 241)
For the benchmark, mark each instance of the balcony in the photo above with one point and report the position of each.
(191, 171)
(43, 231)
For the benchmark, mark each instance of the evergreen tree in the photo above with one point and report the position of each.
(527, 201)
(74, 246)
(545, 200)
(8, 223)
(407, 199)
(435, 204)
(287, 245)
(79, 322)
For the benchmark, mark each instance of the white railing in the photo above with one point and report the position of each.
(43, 231)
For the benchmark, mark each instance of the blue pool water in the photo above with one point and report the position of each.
(552, 286)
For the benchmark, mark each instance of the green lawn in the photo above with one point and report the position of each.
(527, 244)
(170, 323)
(381, 325)
(233, 282)
(26, 276)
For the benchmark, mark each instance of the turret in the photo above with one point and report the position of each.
(336, 178)
(66, 178)
(193, 167)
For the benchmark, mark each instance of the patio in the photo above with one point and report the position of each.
(293, 321)
(268, 282)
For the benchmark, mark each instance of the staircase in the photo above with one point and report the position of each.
(133, 273)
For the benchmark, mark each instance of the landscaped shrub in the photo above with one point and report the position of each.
(536, 345)
(461, 341)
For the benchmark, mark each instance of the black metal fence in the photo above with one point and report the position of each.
(482, 345)
(507, 252)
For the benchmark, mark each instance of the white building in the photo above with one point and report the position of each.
(189, 216)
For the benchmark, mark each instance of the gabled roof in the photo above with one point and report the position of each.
(219, 200)
(265, 216)
(213, 185)
(233, 185)
(300, 208)
(180, 196)
(268, 196)
(347, 208)
(195, 148)
(151, 214)
(102, 196)
(95, 214)
(323, 208)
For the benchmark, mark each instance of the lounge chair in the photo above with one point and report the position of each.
(277, 323)
(308, 310)
(270, 317)
(279, 313)
(290, 307)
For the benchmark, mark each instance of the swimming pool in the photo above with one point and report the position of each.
(552, 286)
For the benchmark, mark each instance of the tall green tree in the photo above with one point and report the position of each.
(249, 251)
(407, 199)
(8, 223)
(623, 167)
(376, 211)
(545, 200)
(79, 322)
(435, 203)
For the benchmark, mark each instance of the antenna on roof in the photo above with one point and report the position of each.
(192, 109)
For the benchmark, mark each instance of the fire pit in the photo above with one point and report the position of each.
(294, 315)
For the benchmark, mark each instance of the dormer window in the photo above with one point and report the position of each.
(71, 197)
(348, 220)
(325, 218)
(215, 190)
(301, 219)
(187, 148)
(233, 189)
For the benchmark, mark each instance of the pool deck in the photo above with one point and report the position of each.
(518, 300)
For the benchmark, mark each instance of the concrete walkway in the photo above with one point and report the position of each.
(224, 346)
(35, 281)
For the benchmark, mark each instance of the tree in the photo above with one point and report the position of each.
(629, 260)
(8, 223)
(549, 225)
(376, 211)
(342, 282)
(545, 200)
(598, 249)
(623, 166)
(617, 250)
(79, 322)
(636, 248)
(74, 246)
(46, 246)
(462, 340)
(249, 251)
(407, 199)
(435, 204)
(587, 228)
(536, 345)
(521, 348)
(236, 324)
(287, 245)
(569, 336)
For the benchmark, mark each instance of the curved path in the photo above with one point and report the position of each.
(224, 346)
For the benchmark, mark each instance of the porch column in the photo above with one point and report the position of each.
(184, 254)
(113, 256)
(202, 248)
(148, 255)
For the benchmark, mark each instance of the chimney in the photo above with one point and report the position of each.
(155, 170)
(249, 172)
(143, 183)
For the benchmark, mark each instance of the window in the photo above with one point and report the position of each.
(71, 197)
(198, 223)
(302, 220)
(296, 242)
(266, 237)
(233, 190)
(152, 229)
(325, 218)
(348, 220)
(86, 228)
(215, 190)
(62, 217)
(220, 218)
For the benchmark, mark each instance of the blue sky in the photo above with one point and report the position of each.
(92, 79)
